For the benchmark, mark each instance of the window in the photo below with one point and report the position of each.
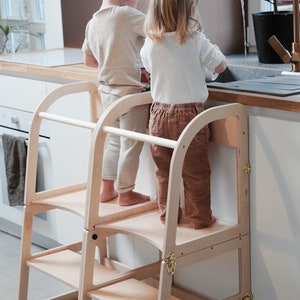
(23, 25)
(286, 5)
(282, 5)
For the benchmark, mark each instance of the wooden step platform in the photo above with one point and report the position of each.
(73, 199)
(65, 266)
(148, 227)
(130, 289)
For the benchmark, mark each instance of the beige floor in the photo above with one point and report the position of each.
(41, 287)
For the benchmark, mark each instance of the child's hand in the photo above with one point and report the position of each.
(145, 76)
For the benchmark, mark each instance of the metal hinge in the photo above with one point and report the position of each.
(247, 169)
(248, 296)
(171, 263)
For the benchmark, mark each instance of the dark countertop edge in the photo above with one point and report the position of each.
(291, 103)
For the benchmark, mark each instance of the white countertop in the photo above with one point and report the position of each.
(51, 58)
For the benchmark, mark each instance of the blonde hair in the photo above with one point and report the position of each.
(171, 16)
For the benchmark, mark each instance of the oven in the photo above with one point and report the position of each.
(17, 122)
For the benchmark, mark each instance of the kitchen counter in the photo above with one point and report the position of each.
(290, 103)
(250, 64)
(68, 72)
(274, 126)
(77, 72)
(80, 72)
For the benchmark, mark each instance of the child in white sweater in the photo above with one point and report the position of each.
(176, 54)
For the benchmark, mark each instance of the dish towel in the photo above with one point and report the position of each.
(15, 154)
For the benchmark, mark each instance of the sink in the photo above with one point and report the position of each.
(257, 80)
(240, 72)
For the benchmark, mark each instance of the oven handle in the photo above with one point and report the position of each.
(41, 144)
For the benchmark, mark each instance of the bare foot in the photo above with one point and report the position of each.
(108, 192)
(213, 220)
(132, 198)
(199, 226)
(108, 197)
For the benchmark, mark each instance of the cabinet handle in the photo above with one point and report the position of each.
(15, 119)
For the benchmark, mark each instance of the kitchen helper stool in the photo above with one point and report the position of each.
(101, 277)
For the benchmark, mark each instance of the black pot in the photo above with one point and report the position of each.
(267, 24)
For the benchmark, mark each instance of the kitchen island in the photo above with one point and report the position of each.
(274, 148)
(274, 126)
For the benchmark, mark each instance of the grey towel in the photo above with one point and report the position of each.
(15, 153)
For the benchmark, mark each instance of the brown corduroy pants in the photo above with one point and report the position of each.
(168, 121)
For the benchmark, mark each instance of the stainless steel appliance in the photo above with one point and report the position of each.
(16, 122)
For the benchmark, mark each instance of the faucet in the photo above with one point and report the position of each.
(286, 57)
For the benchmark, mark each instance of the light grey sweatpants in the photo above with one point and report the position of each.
(121, 156)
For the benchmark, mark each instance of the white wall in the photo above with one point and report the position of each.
(143, 5)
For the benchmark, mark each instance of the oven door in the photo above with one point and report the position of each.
(16, 122)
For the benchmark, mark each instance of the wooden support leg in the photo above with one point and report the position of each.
(244, 262)
(244, 270)
(87, 264)
(25, 253)
(102, 248)
(165, 283)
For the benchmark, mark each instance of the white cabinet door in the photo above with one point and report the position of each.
(21, 93)
(275, 208)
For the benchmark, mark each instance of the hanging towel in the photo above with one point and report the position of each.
(15, 153)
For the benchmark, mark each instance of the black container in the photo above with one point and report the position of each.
(267, 24)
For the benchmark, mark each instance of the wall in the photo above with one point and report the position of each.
(221, 19)
(75, 15)
(223, 24)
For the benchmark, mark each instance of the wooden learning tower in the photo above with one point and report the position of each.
(94, 276)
